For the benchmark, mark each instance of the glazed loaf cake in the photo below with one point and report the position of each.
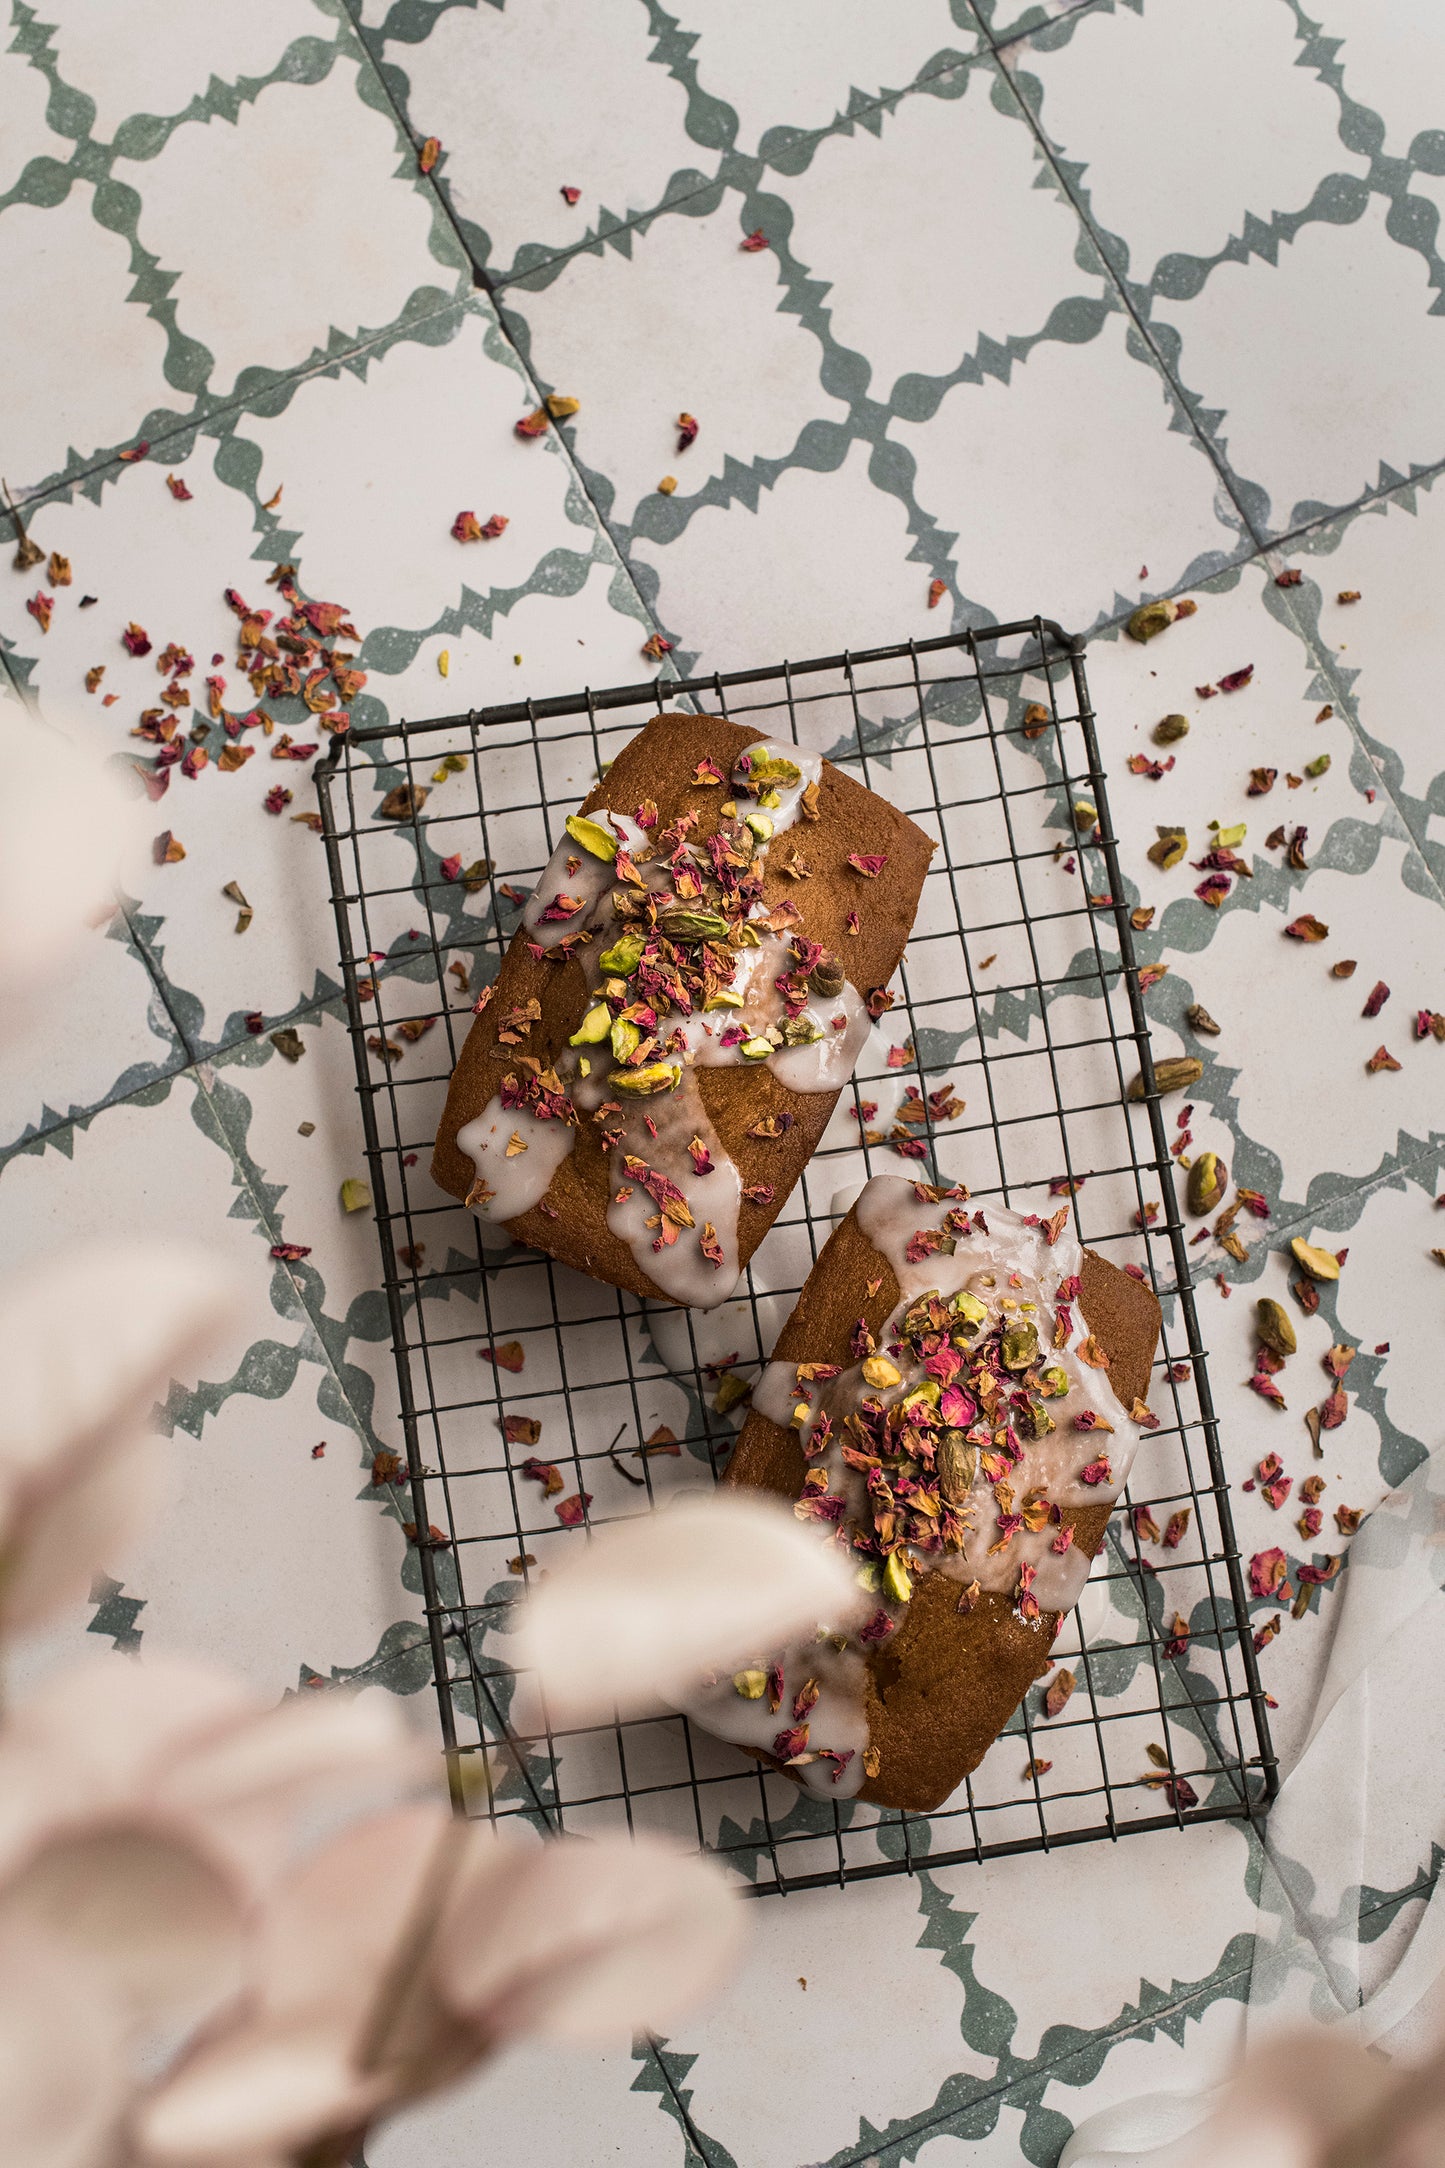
(686, 996)
(957, 1397)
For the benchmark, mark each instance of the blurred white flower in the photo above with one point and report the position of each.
(649, 1603)
(413, 1945)
(68, 829)
(89, 1340)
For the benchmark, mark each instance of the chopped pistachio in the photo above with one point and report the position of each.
(1085, 814)
(1019, 1346)
(1055, 1380)
(879, 1371)
(957, 1462)
(967, 1306)
(1319, 1264)
(594, 1026)
(1208, 1180)
(623, 956)
(1170, 729)
(752, 1685)
(355, 1196)
(625, 1038)
(1174, 1075)
(1318, 766)
(725, 998)
(592, 836)
(652, 1077)
(760, 825)
(897, 1582)
(1273, 1324)
(692, 926)
(768, 769)
(756, 1049)
(1170, 848)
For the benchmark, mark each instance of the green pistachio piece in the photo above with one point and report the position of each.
(756, 1049)
(1273, 1324)
(1019, 1346)
(925, 1395)
(1319, 1264)
(1055, 1381)
(1319, 766)
(724, 998)
(869, 1577)
(760, 825)
(592, 836)
(752, 1685)
(801, 1031)
(594, 1026)
(1174, 1075)
(766, 769)
(897, 1581)
(1170, 729)
(1152, 618)
(625, 1037)
(1038, 1419)
(621, 960)
(652, 1077)
(1167, 852)
(968, 1307)
(746, 937)
(1228, 837)
(692, 926)
(1085, 814)
(1208, 1180)
(355, 1196)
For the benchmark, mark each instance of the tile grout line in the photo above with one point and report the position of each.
(64, 484)
(604, 525)
(1094, 235)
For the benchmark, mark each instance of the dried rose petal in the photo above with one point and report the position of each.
(509, 1356)
(753, 242)
(937, 589)
(1375, 1001)
(571, 1512)
(1306, 928)
(1382, 1058)
(429, 153)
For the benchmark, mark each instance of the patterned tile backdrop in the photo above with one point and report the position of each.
(1066, 307)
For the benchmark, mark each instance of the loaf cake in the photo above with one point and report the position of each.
(690, 987)
(957, 1398)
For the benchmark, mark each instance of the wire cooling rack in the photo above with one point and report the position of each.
(1021, 993)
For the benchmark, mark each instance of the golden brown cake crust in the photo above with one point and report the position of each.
(942, 1688)
(659, 763)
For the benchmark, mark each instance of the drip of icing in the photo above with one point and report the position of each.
(669, 1131)
(1011, 1269)
(837, 1720)
(519, 1180)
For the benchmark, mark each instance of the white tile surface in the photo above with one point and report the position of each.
(1318, 393)
(1263, 130)
(1088, 502)
(866, 219)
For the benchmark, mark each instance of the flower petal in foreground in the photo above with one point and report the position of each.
(652, 1602)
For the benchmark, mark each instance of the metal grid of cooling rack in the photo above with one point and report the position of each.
(1019, 992)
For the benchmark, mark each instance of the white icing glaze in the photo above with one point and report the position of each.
(518, 1181)
(1010, 1267)
(837, 1720)
(670, 1130)
(826, 1063)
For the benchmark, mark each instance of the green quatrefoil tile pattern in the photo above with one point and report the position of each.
(1016, 327)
